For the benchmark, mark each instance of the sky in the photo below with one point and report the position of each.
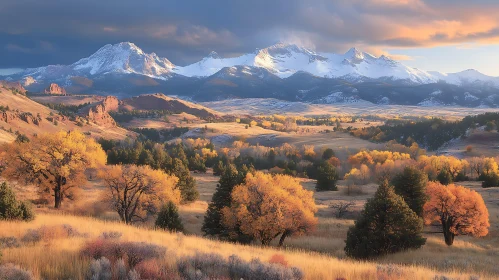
(439, 35)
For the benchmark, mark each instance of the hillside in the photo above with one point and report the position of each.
(59, 256)
(22, 115)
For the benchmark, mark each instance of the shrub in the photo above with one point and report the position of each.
(213, 266)
(444, 177)
(169, 219)
(13, 272)
(100, 269)
(9, 242)
(489, 180)
(278, 259)
(389, 272)
(133, 252)
(11, 208)
(111, 235)
(47, 233)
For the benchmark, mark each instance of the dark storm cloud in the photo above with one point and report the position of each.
(34, 32)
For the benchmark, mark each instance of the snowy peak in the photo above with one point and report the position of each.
(124, 58)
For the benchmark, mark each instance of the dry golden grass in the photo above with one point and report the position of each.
(60, 258)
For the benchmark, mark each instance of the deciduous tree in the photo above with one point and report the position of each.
(459, 210)
(137, 192)
(267, 206)
(55, 162)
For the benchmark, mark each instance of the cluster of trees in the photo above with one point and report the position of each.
(431, 134)
(369, 166)
(127, 115)
(60, 163)
(393, 220)
(250, 205)
(65, 109)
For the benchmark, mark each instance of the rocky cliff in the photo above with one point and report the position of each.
(55, 89)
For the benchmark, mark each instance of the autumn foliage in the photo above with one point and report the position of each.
(459, 210)
(55, 162)
(267, 206)
(136, 192)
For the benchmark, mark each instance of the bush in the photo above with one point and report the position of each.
(11, 208)
(278, 259)
(489, 180)
(111, 235)
(213, 266)
(168, 218)
(13, 272)
(47, 233)
(100, 270)
(133, 252)
(9, 242)
(444, 177)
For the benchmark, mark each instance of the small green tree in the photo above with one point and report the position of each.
(218, 168)
(411, 185)
(326, 177)
(327, 154)
(169, 219)
(212, 224)
(11, 208)
(186, 183)
(445, 177)
(386, 225)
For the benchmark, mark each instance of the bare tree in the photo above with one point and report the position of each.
(341, 208)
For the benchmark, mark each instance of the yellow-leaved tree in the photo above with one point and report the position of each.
(267, 206)
(137, 192)
(459, 210)
(55, 162)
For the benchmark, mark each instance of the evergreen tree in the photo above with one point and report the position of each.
(229, 178)
(327, 154)
(11, 208)
(168, 218)
(218, 168)
(186, 183)
(411, 185)
(444, 177)
(386, 225)
(326, 178)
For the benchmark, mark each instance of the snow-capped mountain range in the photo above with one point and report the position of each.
(282, 60)
(281, 71)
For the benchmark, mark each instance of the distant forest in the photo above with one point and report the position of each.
(430, 134)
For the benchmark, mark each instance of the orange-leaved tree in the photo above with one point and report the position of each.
(459, 210)
(267, 206)
(55, 162)
(137, 192)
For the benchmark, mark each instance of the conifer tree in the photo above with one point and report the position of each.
(186, 183)
(11, 208)
(386, 225)
(326, 177)
(169, 219)
(229, 178)
(411, 185)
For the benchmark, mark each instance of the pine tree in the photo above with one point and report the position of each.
(411, 185)
(11, 208)
(186, 183)
(229, 178)
(326, 177)
(218, 168)
(386, 225)
(169, 219)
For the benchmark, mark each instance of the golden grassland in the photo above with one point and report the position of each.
(320, 255)
(59, 258)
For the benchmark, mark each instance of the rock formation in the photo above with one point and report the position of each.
(55, 89)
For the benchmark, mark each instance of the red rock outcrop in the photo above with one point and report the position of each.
(15, 86)
(55, 89)
(99, 113)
